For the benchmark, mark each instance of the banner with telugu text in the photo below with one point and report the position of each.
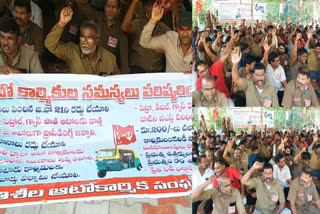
(82, 137)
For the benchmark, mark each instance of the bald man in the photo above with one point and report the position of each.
(208, 96)
(226, 199)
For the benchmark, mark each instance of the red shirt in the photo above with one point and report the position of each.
(234, 175)
(216, 70)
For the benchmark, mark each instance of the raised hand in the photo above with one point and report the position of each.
(257, 165)
(299, 35)
(157, 13)
(266, 45)
(310, 34)
(236, 56)
(274, 31)
(65, 16)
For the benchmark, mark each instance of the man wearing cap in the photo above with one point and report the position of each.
(299, 92)
(177, 46)
(208, 96)
(226, 198)
(303, 195)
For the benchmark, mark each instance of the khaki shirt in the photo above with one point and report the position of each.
(170, 42)
(293, 96)
(264, 150)
(267, 199)
(221, 204)
(294, 71)
(313, 63)
(148, 59)
(241, 166)
(297, 169)
(255, 49)
(314, 161)
(77, 61)
(198, 100)
(26, 60)
(253, 98)
(33, 38)
(112, 38)
(300, 195)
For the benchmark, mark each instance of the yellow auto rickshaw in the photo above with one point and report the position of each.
(116, 160)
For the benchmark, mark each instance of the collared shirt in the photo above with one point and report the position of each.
(222, 204)
(314, 161)
(26, 60)
(148, 59)
(36, 13)
(198, 180)
(78, 62)
(282, 176)
(255, 49)
(241, 165)
(313, 62)
(275, 77)
(170, 43)
(302, 196)
(198, 100)
(234, 176)
(112, 38)
(33, 38)
(267, 200)
(267, 98)
(293, 96)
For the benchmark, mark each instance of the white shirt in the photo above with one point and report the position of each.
(276, 77)
(198, 180)
(282, 176)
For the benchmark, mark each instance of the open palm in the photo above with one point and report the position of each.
(157, 12)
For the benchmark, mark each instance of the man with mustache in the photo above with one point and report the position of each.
(32, 34)
(258, 91)
(177, 46)
(112, 37)
(208, 96)
(299, 92)
(288, 157)
(87, 57)
(284, 59)
(303, 195)
(298, 164)
(14, 57)
(226, 199)
(269, 191)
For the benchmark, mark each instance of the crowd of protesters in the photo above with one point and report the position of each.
(258, 64)
(77, 36)
(265, 171)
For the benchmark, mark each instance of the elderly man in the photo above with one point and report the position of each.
(269, 191)
(226, 199)
(303, 195)
(208, 96)
(258, 91)
(15, 58)
(88, 57)
(300, 92)
(177, 46)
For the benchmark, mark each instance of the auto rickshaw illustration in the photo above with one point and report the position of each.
(116, 160)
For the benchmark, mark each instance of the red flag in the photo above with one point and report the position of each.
(123, 135)
(199, 5)
(166, 4)
(215, 114)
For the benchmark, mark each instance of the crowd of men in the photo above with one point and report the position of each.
(266, 171)
(119, 37)
(258, 64)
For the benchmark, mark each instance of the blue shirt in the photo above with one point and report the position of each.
(252, 158)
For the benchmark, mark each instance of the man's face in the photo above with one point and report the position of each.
(209, 90)
(256, 38)
(267, 175)
(111, 9)
(306, 162)
(318, 150)
(302, 80)
(303, 58)
(259, 77)
(9, 43)
(277, 137)
(246, 51)
(317, 52)
(299, 44)
(209, 44)
(287, 152)
(88, 40)
(204, 164)
(301, 145)
(305, 179)
(251, 66)
(276, 62)
(185, 34)
(225, 186)
(218, 168)
(209, 155)
(21, 15)
(281, 163)
(255, 152)
(281, 50)
(237, 154)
